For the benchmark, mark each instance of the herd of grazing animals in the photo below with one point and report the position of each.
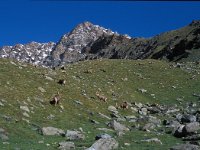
(56, 98)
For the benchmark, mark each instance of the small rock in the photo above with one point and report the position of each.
(1, 104)
(127, 144)
(103, 136)
(3, 137)
(130, 117)
(142, 90)
(178, 132)
(104, 144)
(172, 110)
(186, 118)
(40, 142)
(52, 131)
(112, 109)
(94, 121)
(66, 145)
(194, 137)
(25, 108)
(191, 127)
(149, 126)
(154, 120)
(152, 140)
(104, 116)
(25, 114)
(117, 126)
(48, 78)
(143, 111)
(50, 117)
(139, 105)
(105, 129)
(78, 102)
(41, 89)
(74, 135)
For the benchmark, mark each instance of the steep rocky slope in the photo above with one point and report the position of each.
(88, 41)
(172, 46)
(33, 52)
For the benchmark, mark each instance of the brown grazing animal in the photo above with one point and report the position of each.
(101, 97)
(123, 105)
(56, 99)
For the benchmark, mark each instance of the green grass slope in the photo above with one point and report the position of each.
(118, 80)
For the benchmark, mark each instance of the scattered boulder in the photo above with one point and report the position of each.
(142, 90)
(178, 132)
(117, 126)
(78, 102)
(25, 114)
(102, 136)
(153, 110)
(1, 104)
(112, 109)
(185, 147)
(52, 131)
(171, 123)
(152, 140)
(41, 89)
(143, 111)
(74, 135)
(191, 127)
(94, 121)
(154, 120)
(194, 137)
(48, 78)
(66, 145)
(131, 118)
(149, 126)
(25, 108)
(3, 135)
(139, 105)
(105, 129)
(185, 130)
(104, 144)
(186, 118)
(104, 116)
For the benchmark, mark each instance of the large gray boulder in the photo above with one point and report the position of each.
(185, 130)
(104, 144)
(52, 131)
(191, 127)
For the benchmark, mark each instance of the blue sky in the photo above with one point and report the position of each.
(42, 21)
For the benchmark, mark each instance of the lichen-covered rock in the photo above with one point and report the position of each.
(66, 145)
(52, 131)
(74, 135)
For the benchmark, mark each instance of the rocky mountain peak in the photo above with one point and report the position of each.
(77, 39)
(32, 52)
(195, 23)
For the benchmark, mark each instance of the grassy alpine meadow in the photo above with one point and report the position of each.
(134, 81)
